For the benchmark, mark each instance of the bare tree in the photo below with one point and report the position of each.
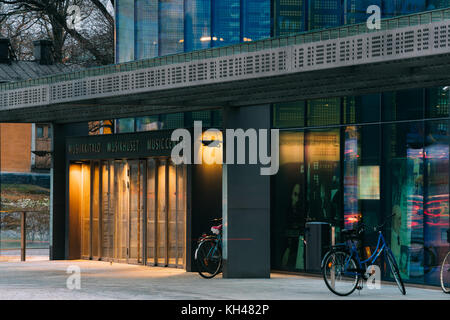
(91, 43)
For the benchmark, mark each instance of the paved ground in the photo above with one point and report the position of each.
(31, 255)
(101, 280)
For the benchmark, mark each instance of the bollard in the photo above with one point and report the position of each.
(23, 236)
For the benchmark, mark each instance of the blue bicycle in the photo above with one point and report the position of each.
(343, 271)
(208, 254)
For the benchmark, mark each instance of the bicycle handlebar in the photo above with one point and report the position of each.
(362, 226)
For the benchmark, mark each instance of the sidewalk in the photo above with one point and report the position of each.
(101, 280)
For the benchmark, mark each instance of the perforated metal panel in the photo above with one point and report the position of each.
(387, 45)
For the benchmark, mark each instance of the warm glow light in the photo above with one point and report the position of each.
(211, 154)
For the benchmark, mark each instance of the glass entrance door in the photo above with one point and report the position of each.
(166, 213)
(131, 211)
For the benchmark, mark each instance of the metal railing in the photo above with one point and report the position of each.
(24, 230)
(270, 43)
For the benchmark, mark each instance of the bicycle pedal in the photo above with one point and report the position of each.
(359, 288)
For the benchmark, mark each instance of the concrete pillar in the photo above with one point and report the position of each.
(246, 204)
(57, 194)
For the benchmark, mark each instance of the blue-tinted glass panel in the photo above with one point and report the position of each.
(171, 27)
(403, 195)
(149, 123)
(226, 26)
(438, 4)
(436, 200)
(438, 102)
(325, 14)
(124, 31)
(396, 8)
(146, 29)
(288, 217)
(124, 125)
(290, 17)
(256, 20)
(197, 25)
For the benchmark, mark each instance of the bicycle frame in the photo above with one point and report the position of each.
(381, 245)
(218, 241)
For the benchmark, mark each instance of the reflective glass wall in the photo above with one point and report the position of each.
(363, 159)
(151, 28)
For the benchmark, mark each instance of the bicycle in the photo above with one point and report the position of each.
(343, 271)
(445, 269)
(208, 254)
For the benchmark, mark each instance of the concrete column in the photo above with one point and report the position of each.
(246, 204)
(57, 194)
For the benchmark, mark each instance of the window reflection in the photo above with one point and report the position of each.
(322, 154)
(124, 31)
(288, 222)
(403, 182)
(436, 202)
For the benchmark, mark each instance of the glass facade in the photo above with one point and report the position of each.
(342, 160)
(151, 28)
(366, 166)
(125, 22)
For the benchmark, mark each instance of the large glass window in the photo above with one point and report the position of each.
(325, 14)
(124, 31)
(322, 112)
(255, 20)
(289, 114)
(361, 184)
(322, 158)
(436, 197)
(403, 105)
(288, 219)
(396, 8)
(290, 17)
(438, 102)
(403, 183)
(146, 29)
(367, 171)
(226, 26)
(148, 123)
(124, 125)
(171, 27)
(362, 109)
(197, 25)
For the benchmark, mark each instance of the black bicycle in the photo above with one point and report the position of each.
(344, 271)
(208, 254)
(445, 269)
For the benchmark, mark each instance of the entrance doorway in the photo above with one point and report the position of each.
(131, 211)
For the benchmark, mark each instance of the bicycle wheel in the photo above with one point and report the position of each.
(395, 271)
(209, 259)
(340, 273)
(445, 274)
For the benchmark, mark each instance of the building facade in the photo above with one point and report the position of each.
(343, 158)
